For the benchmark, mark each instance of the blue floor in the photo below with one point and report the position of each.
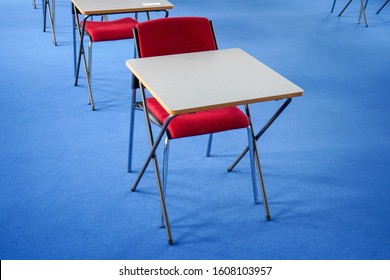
(64, 187)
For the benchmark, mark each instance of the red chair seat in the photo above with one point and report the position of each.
(204, 122)
(118, 29)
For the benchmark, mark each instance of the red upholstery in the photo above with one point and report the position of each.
(205, 122)
(110, 30)
(175, 35)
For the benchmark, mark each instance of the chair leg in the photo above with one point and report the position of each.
(257, 160)
(89, 67)
(44, 7)
(51, 10)
(53, 21)
(76, 28)
(346, 6)
(380, 9)
(165, 175)
(252, 164)
(363, 11)
(209, 145)
(34, 4)
(81, 56)
(131, 133)
(334, 3)
(74, 45)
(89, 59)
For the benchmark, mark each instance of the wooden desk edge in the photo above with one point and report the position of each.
(230, 104)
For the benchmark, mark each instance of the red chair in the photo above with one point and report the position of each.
(178, 35)
(100, 31)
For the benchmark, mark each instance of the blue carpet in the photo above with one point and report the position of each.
(64, 187)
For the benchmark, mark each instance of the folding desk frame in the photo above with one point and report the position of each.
(261, 132)
(160, 184)
(81, 53)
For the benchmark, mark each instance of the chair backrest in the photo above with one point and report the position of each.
(174, 35)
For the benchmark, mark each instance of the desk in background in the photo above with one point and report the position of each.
(90, 8)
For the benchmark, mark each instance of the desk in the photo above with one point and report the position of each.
(89, 8)
(233, 78)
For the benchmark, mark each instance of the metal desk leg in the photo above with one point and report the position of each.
(47, 8)
(346, 6)
(132, 116)
(152, 155)
(362, 11)
(74, 26)
(81, 54)
(257, 160)
(158, 177)
(261, 132)
(131, 130)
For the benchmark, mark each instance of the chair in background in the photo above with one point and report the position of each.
(175, 36)
(380, 9)
(34, 4)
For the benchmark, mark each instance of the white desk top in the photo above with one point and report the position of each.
(92, 7)
(199, 81)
